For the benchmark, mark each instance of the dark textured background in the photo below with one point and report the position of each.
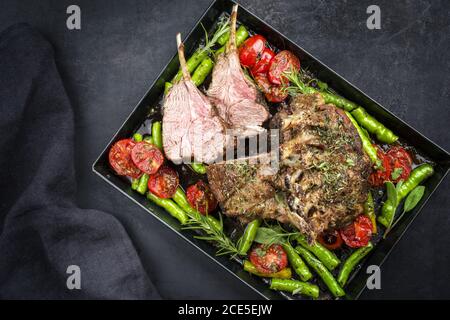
(109, 64)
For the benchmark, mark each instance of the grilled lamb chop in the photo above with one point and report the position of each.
(191, 128)
(236, 98)
(322, 181)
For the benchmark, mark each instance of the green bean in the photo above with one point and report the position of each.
(167, 87)
(387, 213)
(241, 35)
(202, 71)
(137, 137)
(297, 263)
(328, 258)
(181, 200)
(224, 38)
(246, 240)
(322, 271)
(143, 184)
(372, 125)
(418, 175)
(368, 147)
(198, 167)
(214, 222)
(351, 262)
(338, 101)
(148, 139)
(192, 63)
(285, 273)
(170, 206)
(134, 183)
(294, 286)
(157, 134)
(369, 210)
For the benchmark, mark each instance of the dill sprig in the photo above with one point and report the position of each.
(200, 222)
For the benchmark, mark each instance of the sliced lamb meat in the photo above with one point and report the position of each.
(322, 181)
(236, 98)
(191, 129)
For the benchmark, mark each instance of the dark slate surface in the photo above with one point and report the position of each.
(108, 65)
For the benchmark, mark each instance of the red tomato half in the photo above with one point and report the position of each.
(272, 92)
(396, 166)
(331, 240)
(120, 158)
(201, 198)
(268, 259)
(164, 183)
(378, 177)
(147, 157)
(284, 61)
(251, 50)
(400, 153)
(276, 94)
(400, 161)
(263, 63)
(358, 233)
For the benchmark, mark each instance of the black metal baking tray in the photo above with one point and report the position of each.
(218, 8)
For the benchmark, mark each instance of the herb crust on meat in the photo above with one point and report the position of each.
(322, 180)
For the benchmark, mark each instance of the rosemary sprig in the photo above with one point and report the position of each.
(200, 222)
(222, 28)
(302, 81)
(295, 84)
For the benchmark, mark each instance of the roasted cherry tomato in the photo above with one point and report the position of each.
(251, 50)
(120, 158)
(378, 177)
(400, 161)
(284, 61)
(164, 183)
(268, 259)
(262, 82)
(396, 166)
(331, 240)
(262, 64)
(147, 157)
(276, 94)
(358, 233)
(201, 198)
(272, 92)
(400, 153)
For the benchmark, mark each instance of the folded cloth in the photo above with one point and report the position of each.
(42, 230)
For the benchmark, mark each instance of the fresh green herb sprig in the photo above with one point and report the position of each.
(273, 235)
(411, 202)
(396, 173)
(222, 28)
(200, 222)
(297, 82)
